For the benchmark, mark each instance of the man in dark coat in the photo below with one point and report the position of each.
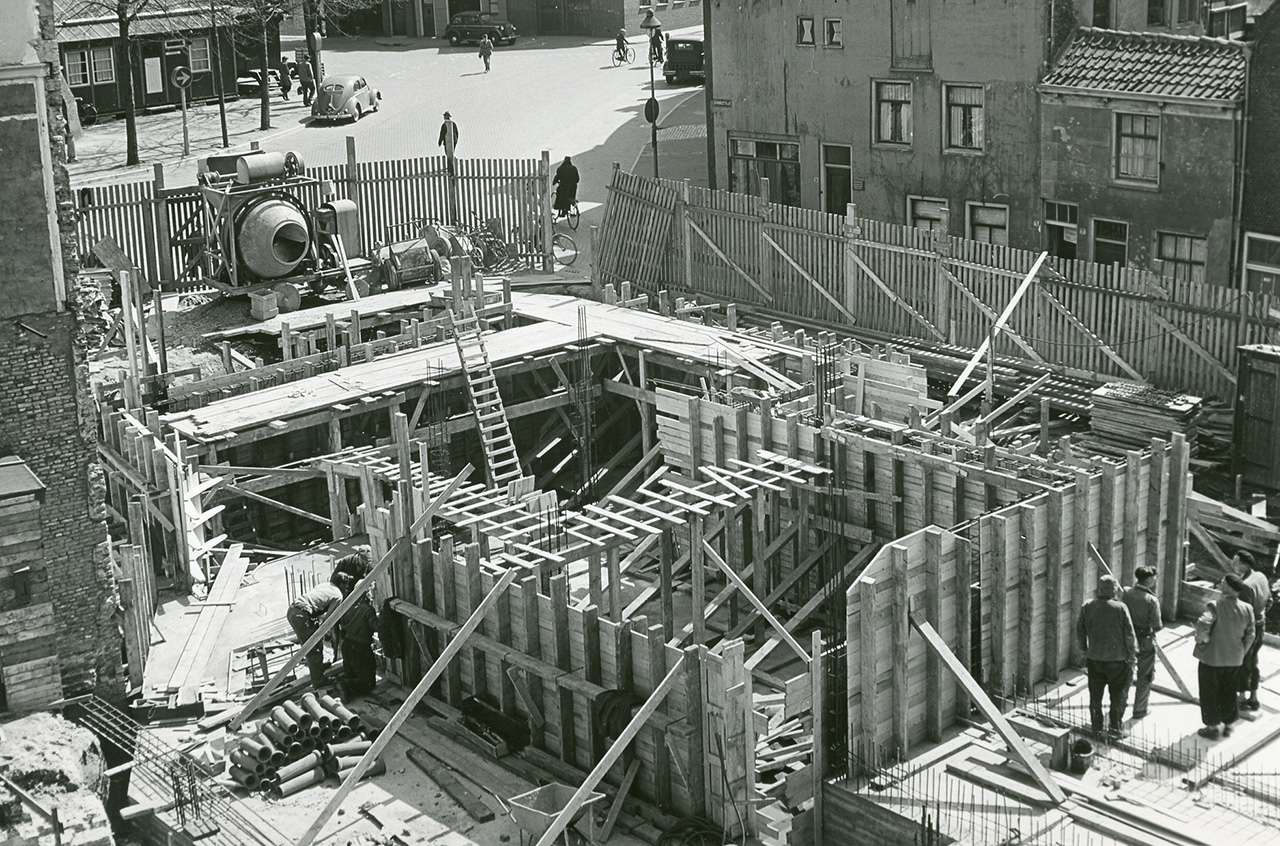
(286, 81)
(359, 667)
(566, 182)
(1259, 598)
(1110, 651)
(306, 81)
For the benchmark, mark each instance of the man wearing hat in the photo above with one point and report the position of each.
(1110, 650)
(448, 138)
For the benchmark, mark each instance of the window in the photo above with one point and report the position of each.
(77, 67)
(751, 160)
(804, 31)
(927, 213)
(1228, 21)
(1188, 11)
(964, 117)
(1060, 221)
(832, 34)
(198, 55)
(1262, 263)
(989, 224)
(104, 65)
(1102, 14)
(837, 177)
(1138, 147)
(1110, 241)
(893, 112)
(1156, 13)
(1182, 257)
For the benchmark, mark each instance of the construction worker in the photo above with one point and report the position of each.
(1224, 634)
(309, 610)
(1144, 612)
(359, 667)
(1111, 650)
(1258, 596)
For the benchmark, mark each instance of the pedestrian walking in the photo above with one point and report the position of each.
(1256, 579)
(359, 667)
(1110, 649)
(486, 50)
(1144, 612)
(286, 81)
(1224, 634)
(306, 81)
(307, 612)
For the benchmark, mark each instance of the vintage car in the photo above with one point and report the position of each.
(343, 97)
(684, 59)
(250, 81)
(472, 26)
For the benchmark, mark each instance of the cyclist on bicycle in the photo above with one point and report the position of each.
(566, 182)
(655, 46)
(621, 45)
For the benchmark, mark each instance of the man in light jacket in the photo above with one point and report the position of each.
(1224, 634)
(1110, 649)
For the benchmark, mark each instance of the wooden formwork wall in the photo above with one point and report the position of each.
(1032, 563)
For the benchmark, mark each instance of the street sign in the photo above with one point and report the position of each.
(651, 110)
(180, 77)
(174, 46)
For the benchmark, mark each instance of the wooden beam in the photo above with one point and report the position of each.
(732, 266)
(984, 347)
(1184, 339)
(990, 314)
(891, 294)
(755, 600)
(1057, 306)
(1014, 400)
(406, 709)
(804, 274)
(336, 614)
(620, 745)
(616, 808)
(233, 490)
(979, 696)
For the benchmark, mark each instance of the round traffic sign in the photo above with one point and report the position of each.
(651, 110)
(181, 76)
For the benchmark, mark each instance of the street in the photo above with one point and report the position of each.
(559, 94)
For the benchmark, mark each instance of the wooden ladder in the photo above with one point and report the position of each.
(502, 465)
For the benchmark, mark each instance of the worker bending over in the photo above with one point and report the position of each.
(309, 610)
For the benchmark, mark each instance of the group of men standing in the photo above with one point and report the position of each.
(1117, 632)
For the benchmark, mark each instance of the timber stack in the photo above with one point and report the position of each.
(1127, 416)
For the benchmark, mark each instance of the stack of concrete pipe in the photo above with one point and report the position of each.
(300, 744)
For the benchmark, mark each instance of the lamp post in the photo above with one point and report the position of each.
(649, 24)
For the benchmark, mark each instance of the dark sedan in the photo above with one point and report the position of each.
(472, 26)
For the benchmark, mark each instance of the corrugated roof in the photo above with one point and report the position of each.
(1153, 64)
(16, 479)
(81, 21)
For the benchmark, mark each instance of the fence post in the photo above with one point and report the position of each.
(544, 211)
(351, 176)
(764, 256)
(851, 232)
(686, 246)
(941, 251)
(160, 213)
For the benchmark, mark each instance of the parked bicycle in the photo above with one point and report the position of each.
(488, 250)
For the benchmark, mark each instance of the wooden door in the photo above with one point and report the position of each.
(1257, 437)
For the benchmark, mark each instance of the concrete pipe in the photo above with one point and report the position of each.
(343, 734)
(317, 711)
(246, 778)
(377, 768)
(273, 238)
(307, 762)
(351, 747)
(309, 743)
(278, 736)
(286, 722)
(298, 714)
(239, 758)
(293, 785)
(342, 712)
(268, 783)
(277, 754)
(259, 750)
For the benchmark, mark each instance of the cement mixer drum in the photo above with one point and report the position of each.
(273, 237)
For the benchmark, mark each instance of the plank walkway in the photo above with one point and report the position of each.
(409, 299)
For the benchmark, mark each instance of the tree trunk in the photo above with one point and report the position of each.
(130, 111)
(264, 93)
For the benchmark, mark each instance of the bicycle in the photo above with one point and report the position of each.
(570, 216)
(488, 251)
(564, 250)
(620, 58)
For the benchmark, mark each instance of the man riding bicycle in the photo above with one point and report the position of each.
(620, 47)
(566, 183)
(655, 46)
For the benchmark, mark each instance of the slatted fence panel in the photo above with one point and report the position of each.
(121, 211)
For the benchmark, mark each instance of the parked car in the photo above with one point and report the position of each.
(684, 59)
(342, 97)
(472, 26)
(250, 80)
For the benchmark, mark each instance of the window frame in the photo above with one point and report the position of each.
(1117, 156)
(947, 146)
(110, 50)
(86, 67)
(1187, 11)
(1160, 6)
(826, 165)
(779, 184)
(1093, 245)
(838, 43)
(1072, 226)
(1176, 262)
(972, 206)
(912, 199)
(813, 33)
(1248, 265)
(208, 54)
(876, 137)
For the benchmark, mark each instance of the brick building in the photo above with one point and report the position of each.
(1140, 140)
(58, 633)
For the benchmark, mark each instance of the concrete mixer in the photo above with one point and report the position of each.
(269, 226)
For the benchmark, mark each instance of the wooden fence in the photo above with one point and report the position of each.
(1081, 317)
(161, 228)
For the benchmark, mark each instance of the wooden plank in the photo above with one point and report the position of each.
(439, 771)
(754, 600)
(618, 801)
(406, 709)
(804, 274)
(983, 348)
(889, 292)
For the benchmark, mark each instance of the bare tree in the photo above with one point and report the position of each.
(255, 19)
